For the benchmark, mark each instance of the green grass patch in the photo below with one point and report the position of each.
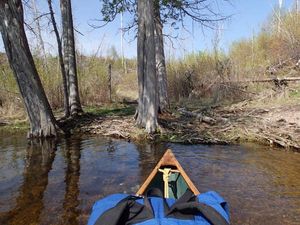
(294, 94)
(16, 126)
(111, 110)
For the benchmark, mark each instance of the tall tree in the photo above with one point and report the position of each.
(42, 121)
(61, 61)
(147, 80)
(111, 8)
(172, 12)
(70, 57)
(160, 61)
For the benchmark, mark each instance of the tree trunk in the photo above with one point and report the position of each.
(70, 57)
(160, 62)
(147, 80)
(61, 61)
(42, 121)
(41, 46)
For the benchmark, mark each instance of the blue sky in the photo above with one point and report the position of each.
(247, 18)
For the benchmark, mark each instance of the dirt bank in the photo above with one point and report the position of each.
(269, 120)
(245, 121)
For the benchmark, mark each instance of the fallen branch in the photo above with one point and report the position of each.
(266, 80)
(198, 116)
(278, 140)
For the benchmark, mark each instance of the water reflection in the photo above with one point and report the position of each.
(149, 155)
(71, 202)
(57, 183)
(29, 203)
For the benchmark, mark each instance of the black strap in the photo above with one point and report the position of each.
(126, 212)
(187, 207)
(186, 197)
(155, 192)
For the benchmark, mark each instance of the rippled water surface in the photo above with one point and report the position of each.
(57, 183)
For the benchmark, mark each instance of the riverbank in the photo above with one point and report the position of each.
(247, 121)
(261, 121)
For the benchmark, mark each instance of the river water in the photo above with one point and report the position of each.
(57, 183)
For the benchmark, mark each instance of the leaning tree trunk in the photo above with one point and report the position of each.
(160, 63)
(147, 80)
(70, 57)
(61, 61)
(42, 121)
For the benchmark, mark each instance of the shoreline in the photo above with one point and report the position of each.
(236, 124)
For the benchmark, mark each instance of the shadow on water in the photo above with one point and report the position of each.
(29, 203)
(58, 182)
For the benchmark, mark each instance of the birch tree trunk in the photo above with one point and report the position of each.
(61, 61)
(70, 57)
(147, 80)
(160, 62)
(42, 121)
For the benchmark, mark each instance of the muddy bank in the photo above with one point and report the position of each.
(275, 126)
